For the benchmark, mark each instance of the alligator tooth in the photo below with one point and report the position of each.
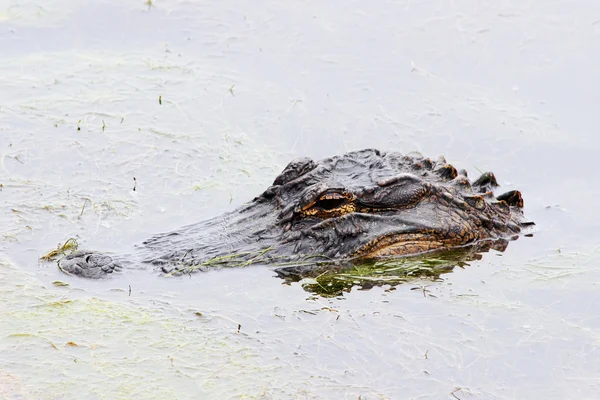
(513, 198)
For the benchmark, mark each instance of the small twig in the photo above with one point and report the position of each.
(83, 207)
(454, 391)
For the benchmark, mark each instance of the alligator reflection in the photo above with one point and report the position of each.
(333, 279)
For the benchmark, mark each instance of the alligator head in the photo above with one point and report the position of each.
(361, 205)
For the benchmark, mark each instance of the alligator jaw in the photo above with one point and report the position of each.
(400, 244)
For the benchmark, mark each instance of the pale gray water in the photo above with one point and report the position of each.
(245, 87)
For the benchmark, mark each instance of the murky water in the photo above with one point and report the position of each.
(204, 103)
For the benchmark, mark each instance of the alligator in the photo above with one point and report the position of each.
(360, 206)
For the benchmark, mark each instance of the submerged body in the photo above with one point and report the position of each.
(361, 205)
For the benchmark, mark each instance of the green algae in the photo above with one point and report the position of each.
(59, 344)
(61, 250)
(334, 280)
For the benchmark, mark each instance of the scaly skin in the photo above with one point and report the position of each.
(361, 205)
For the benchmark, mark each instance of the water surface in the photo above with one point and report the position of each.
(204, 103)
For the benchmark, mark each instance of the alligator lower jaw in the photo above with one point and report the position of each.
(404, 244)
(400, 245)
(406, 248)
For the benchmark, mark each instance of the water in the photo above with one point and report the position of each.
(204, 103)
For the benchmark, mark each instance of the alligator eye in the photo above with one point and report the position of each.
(330, 204)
